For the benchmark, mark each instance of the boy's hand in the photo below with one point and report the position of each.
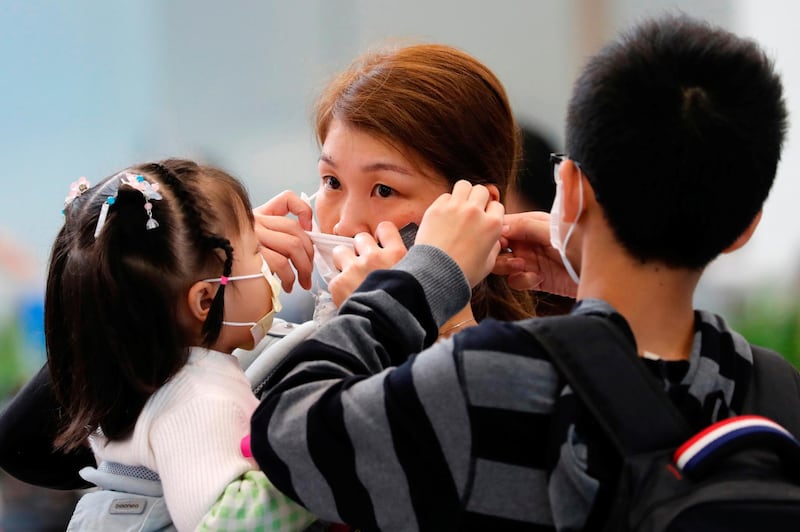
(367, 257)
(533, 263)
(466, 225)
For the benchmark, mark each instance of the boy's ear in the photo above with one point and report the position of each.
(201, 295)
(746, 234)
(570, 182)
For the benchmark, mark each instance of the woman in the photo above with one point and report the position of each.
(397, 129)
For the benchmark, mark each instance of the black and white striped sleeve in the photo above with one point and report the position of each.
(344, 429)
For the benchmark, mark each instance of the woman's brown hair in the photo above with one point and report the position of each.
(445, 109)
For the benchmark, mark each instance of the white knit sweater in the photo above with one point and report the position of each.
(189, 432)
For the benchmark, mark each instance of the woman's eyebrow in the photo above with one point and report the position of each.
(379, 167)
(371, 167)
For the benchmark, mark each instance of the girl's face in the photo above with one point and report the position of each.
(366, 181)
(246, 300)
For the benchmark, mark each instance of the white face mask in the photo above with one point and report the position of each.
(556, 224)
(323, 245)
(323, 252)
(260, 328)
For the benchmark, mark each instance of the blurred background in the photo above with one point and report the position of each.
(91, 87)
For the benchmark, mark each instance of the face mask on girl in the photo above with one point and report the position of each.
(258, 329)
(557, 224)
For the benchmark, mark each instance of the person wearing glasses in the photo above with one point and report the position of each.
(673, 135)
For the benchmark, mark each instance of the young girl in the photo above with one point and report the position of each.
(155, 278)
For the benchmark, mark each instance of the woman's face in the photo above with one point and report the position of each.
(366, 181)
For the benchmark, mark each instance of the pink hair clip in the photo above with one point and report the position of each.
(76, 188)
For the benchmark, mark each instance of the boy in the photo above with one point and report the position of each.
(674, 134)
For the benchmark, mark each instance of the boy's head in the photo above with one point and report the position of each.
(678, 127)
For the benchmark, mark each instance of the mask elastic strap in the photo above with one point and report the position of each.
(248, 323)
(239, 323)
(567, 264)
(236, 278)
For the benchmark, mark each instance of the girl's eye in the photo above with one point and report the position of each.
(331, 182)
(384, 191)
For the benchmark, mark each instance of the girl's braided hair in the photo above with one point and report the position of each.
(115, 323)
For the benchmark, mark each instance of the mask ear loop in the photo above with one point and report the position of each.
(213, 323)
(271, 279)
(567, 264)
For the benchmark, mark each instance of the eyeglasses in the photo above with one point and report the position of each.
(556, 159)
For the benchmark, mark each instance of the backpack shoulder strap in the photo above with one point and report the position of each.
(601, 365)
(774, 390)
(137, 480)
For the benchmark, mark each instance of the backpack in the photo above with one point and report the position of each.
(128, 499)
(742, 473)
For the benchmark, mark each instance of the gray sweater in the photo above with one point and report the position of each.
(373, 423)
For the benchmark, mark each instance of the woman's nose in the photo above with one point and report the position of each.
(352, 221)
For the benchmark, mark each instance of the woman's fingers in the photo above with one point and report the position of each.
(287, 202)
(286, 244)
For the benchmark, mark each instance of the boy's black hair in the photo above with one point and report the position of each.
(114, 328)
(678, 126)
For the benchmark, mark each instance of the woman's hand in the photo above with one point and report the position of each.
(466, 225)
(533, 264)
(367, 257)
(284, 240)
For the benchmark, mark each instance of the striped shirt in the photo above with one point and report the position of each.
(373, 423)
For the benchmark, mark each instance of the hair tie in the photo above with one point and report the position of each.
(223, 280)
